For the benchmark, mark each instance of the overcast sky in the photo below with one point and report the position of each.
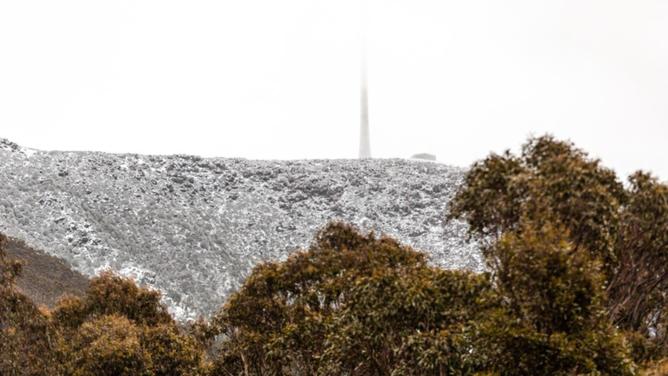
(280, 79)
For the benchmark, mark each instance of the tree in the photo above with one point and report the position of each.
(357, 305)
(107, 345)
(25, 346)
(639, 287)
(119, 328)
(552, 183)
(111, 294)
(351, 304)
(553, 315)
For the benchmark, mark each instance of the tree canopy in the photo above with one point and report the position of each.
(622, 228)
(355, 304)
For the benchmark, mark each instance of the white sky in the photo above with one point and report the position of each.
(280, 79)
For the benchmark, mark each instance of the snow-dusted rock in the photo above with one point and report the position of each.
(194, 227)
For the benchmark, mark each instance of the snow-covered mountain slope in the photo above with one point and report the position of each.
(195, 227)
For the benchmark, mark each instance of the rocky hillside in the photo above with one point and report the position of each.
(194, 227)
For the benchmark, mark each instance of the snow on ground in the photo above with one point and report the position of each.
(194, 227)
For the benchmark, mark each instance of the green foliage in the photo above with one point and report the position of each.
(117, 328)
(547, 284)
(25, 348)
(577, 284)
(492, 196)
(517, 349)
(114, 345)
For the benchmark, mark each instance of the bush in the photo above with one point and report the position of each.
(546, 283)
(117, 328)
(409, 322)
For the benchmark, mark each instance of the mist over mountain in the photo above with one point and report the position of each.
(194, 227)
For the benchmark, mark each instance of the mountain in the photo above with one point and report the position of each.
(44, 278)
(194, 227)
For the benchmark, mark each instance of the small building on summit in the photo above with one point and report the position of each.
(425, 156)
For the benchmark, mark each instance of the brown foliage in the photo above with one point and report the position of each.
(659, 368)
(351, 304)
(25, 343)
(409, 322)
(119, 328)
(114, 345)
(554, 183)
(553, 317)
(172, 352)
(357, 305)
(108, 345)
(638, 290)
(109, 294)
(549, 285)
(551, 181)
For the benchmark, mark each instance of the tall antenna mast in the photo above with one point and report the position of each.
(365, 143)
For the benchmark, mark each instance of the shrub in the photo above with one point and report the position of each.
(552, 181)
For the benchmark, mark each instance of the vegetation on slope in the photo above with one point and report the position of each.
(44, 278)
(576, 285)
(195, 227)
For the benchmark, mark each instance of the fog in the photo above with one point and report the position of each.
(281, 80)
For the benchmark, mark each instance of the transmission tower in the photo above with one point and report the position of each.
(365, 142)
